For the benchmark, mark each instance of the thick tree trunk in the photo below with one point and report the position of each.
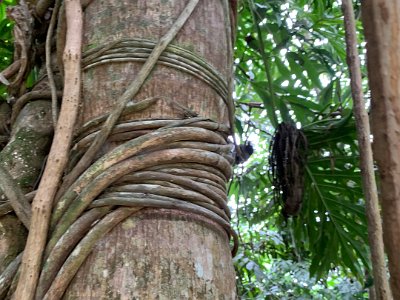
(149, 219)
(381, 20)
(157, 253)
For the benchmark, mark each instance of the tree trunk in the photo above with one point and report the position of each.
(375, 232)
(382, 32)
(157, 253)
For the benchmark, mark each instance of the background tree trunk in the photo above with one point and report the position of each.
(382, 28)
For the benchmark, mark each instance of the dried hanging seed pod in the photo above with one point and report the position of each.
(288, 151)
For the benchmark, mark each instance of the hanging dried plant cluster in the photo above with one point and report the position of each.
(288, 151)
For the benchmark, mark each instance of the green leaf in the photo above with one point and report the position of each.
(325, 96)
(263, 93)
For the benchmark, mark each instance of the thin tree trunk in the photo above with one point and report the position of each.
(381, 284)
(382, 32)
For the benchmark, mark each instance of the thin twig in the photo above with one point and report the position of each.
(6, 207)
(53, 89)
(16, 197)
(24, 99)
(10, 71)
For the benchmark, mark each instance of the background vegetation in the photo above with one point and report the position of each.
(290, 67)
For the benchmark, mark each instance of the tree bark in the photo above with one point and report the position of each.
(23, 157)
(157, 253)
(375, 235)
(382, 32)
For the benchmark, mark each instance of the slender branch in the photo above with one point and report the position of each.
(6, 207)
(42, 6)
(53, 89)
(83, 249)
(10, 71)
(16, 197)
(59, 254)
(58, 156)
(8, 275)
(24, 99)
(375, 234)
(264, 59)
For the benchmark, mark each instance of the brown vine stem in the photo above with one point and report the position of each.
(98, 183)
(42, 6)
(205, 174)
(133, 147)
(21, 101)
(70, 239)
(16, 197)
(58, 156)
(375, 235)
(8, 275)
(171, 203)
(53, 89)
(10, 71)
(181, 181)
(172, 192)
(132, 90)
(6, 208)
(83, 249)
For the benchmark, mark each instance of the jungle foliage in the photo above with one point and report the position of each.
(290, 67)
(290, 62)
(6, 40)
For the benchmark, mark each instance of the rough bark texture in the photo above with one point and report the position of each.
(375, 236)
(204, 34)
(23, 156)
(382, 31)
(12, 240)
(31, 136)
(157, 253)
(171, 255)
